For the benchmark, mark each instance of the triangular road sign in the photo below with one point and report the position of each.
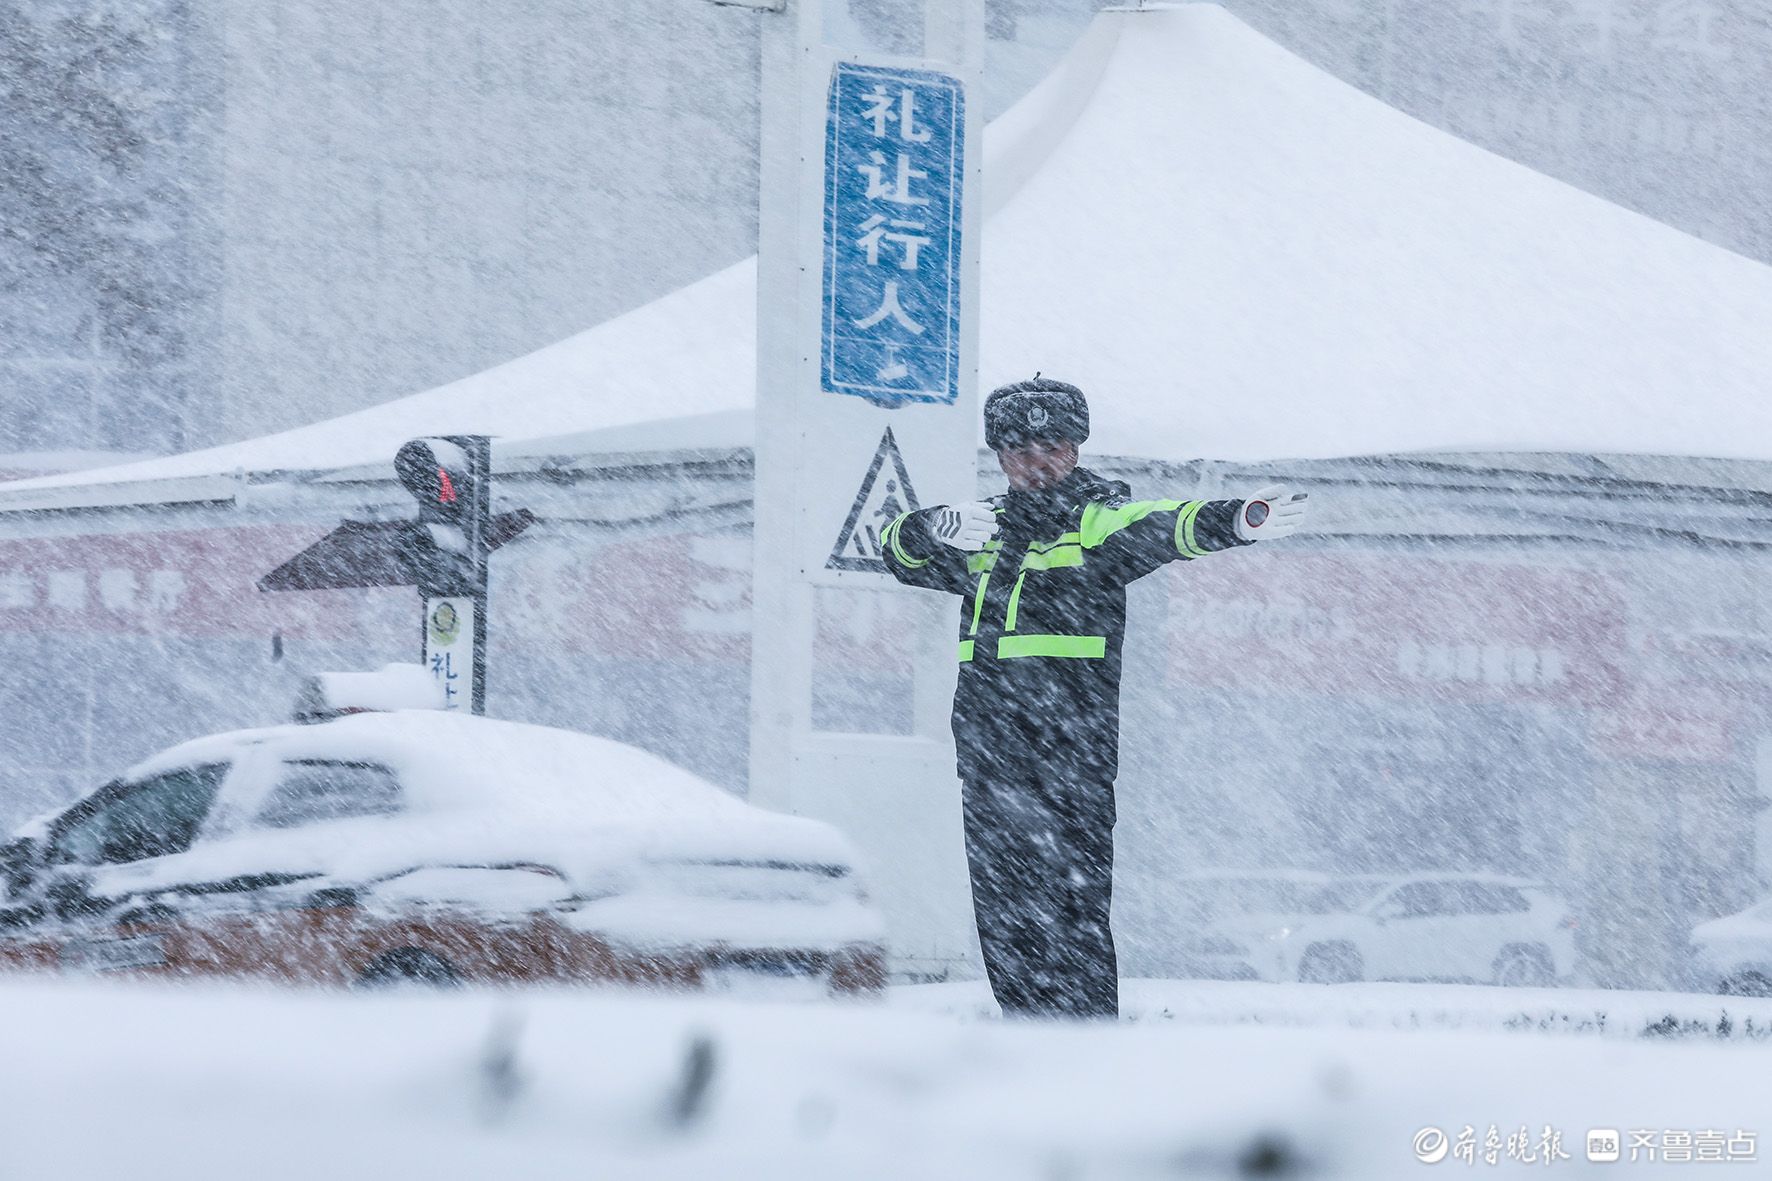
(885, 493)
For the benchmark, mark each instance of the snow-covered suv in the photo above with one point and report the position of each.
(1467, 927)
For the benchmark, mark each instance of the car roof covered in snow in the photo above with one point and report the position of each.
(487, 787)
(455, 760)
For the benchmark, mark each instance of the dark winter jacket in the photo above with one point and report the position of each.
(1042, 616)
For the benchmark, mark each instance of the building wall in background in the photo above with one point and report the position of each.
(107, 250)
(1661, 106)
(418, 191)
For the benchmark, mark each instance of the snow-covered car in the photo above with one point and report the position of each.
(1465, 927)
(418, 845)
(1733, 955)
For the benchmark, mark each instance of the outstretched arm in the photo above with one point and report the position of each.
(1138, 536)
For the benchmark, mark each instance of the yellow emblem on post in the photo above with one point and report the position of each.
(445, 624)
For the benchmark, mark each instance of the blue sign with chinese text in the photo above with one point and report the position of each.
(893, 174)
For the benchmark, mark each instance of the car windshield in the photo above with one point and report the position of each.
(153, 818)
(1206, 899)
(1342, 897)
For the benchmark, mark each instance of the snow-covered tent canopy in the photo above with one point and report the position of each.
(1237, 255)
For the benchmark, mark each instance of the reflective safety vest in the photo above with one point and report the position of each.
(1043, 613)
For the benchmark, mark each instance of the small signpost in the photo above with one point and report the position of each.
(451, 654)
(444, 553)
(451, 478)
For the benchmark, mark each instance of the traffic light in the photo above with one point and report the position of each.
(448, 479)
(443, 551)
(443, 554)
(436, 472)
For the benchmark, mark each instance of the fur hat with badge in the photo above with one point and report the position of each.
(1039, 408)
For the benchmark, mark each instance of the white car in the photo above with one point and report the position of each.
(417, 845)
(1466, 927)
(1733, 955)
(1195, 900)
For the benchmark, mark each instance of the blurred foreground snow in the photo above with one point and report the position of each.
(1202, 1080)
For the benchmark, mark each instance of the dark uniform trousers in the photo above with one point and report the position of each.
(1041, 856)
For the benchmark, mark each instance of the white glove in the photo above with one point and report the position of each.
(1271, 513)
(964, 526)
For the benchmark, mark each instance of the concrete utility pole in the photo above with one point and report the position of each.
(867, 359)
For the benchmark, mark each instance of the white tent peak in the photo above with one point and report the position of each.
(1238, 257)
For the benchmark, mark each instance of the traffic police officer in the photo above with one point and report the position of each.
(1042, 574)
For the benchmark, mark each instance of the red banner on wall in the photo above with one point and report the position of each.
(198, 582)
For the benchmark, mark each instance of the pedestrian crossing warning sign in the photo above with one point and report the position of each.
(885, 494)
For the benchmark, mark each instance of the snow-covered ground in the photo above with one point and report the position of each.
(1200, 1080)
